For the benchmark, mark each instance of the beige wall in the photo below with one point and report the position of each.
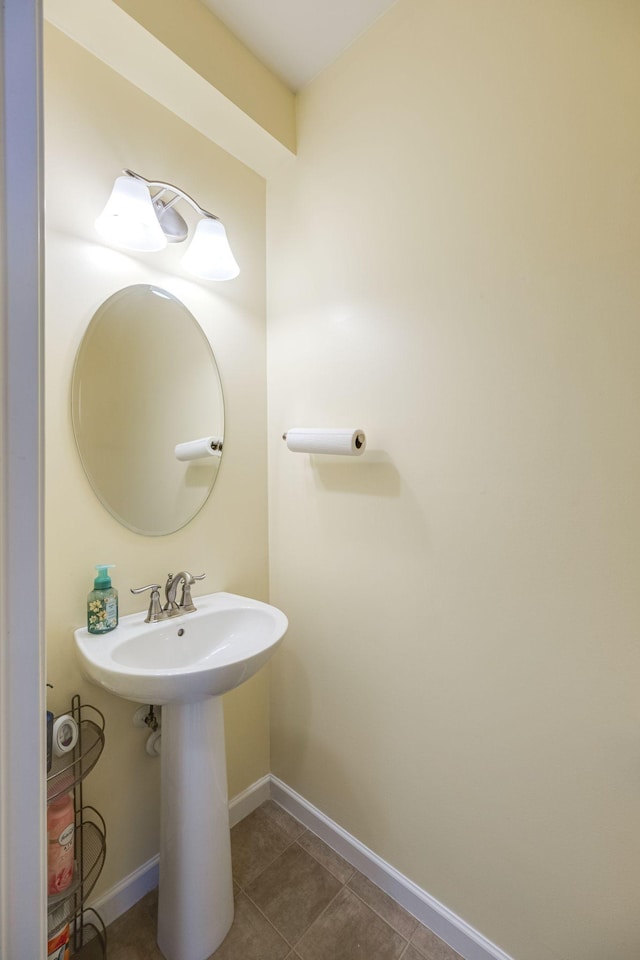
(96, 124)
(197, 36)
(453, 265)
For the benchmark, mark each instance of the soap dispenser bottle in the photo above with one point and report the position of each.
(102, 602)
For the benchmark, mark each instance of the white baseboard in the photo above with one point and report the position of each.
(470, 944)
(249, 800)
(125, 894)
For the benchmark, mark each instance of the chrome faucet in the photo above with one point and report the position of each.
(156, 611)
(186, 605)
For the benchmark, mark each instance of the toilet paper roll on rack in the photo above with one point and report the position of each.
(349, 442)
(199, 449)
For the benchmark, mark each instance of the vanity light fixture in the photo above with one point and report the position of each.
(139, 220)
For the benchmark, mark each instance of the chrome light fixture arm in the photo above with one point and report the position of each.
(179, 194)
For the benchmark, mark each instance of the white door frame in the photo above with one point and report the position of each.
(23, 930)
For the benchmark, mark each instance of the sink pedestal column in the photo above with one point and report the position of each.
(195, 908)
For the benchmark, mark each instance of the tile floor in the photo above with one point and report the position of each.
(295, 899)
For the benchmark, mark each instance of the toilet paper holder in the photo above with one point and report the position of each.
(349, 441)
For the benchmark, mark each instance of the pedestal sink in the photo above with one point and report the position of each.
(186, 663)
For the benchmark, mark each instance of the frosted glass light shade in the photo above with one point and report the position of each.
(129, 220)
(209, 254)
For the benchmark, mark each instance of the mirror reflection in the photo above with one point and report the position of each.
(145, 380)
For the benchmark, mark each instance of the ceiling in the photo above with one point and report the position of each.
(297, 39)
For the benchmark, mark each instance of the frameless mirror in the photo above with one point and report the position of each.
(144, 381)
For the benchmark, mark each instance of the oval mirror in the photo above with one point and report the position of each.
(145, 380)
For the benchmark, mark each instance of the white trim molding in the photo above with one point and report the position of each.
(23, 927)
(249, 800)
(470, 944)
(123, 895)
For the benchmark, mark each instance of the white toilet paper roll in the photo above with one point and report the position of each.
(199, 449)
(65, 735)
(350, 442)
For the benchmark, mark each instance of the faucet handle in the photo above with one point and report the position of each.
(155, 607)
(186, 602)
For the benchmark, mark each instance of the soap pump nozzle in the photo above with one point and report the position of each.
(103, 580)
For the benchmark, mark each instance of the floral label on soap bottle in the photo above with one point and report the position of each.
(103, 615)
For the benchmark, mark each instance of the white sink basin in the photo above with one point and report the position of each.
(187, 658)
